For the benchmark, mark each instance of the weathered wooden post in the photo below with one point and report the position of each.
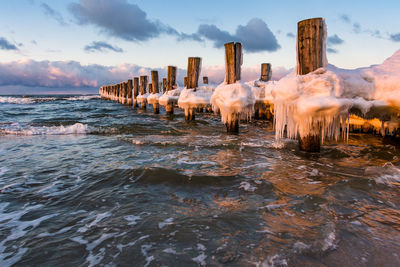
(205, 79)
(265, 72)
(143, 87)
(311, 36)
(119, 93)
(155, 85)
(164, 84)
(130, 87)
(192, 82)
(233, 62)
(185, 81)
(125, 93)
(171, 79)
(171, 85)
(135, 91)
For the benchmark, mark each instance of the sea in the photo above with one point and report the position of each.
(90, 182)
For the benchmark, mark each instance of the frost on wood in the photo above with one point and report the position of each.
(233, 99)
(323, 100)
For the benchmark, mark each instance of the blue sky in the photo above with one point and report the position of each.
(32, 31)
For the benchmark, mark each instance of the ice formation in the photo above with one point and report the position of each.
(321, 101)
(142, 98)
(233, 99)
(199, 98)
(170, 97)
(153, 98)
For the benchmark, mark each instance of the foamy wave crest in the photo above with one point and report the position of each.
(83, 97)
(388, 174)
(16, 100)
(16, 129)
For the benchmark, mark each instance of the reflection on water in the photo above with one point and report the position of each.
(133, 187)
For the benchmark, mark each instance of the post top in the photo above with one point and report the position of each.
(309, 20)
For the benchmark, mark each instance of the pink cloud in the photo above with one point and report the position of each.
(71, 74)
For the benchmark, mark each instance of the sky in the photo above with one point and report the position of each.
(75, 46)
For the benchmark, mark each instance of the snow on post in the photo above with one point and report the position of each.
(232, 98)
(155, 95)
(171, 95)
(135, 91)
(142, 97)
(130, 92)
(311, 55)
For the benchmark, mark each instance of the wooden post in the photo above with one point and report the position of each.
(193, 72)
(125, 92)
(143, 87)
(311, 47)
(205, 79)
(164, 84)
(265, 72)
(155, 90)
(185, 81)
(192, 82)
(130, 87)
(171, 85)
(135, 91)
(171, 80)
(233, 62)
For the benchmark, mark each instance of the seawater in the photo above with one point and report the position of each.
(89, 182)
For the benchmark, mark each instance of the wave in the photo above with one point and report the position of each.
(16, 100)
(83, 97)
(33, 100)
(17, 129)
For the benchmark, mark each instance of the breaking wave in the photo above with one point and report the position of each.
(17, 129)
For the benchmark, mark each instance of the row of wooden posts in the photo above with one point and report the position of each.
(311, 35)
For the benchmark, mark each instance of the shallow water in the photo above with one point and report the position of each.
(87, 182)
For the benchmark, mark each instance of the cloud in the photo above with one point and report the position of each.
(71, 74)
(6, 45)
(255, 36)
(290, 35)
(117, 18)
(395, 37)
(53, 14)
(345, 18)
(331, 50)
(334, 40)
(102, 47)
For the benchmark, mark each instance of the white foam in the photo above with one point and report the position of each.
(247, 187)
(18, 129)
(83, 97)
(201, 259)
(166, 222)
(16, 100)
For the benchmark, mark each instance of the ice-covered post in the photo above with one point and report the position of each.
(233, 62)
(265, 72)
(135, 91)
(205, 79)
(311, 46)
(143, 87)
(171, 84)
(192, 82)
(155, 90)
(130, 92)
(171, 80)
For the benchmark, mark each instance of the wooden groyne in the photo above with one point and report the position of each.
(311, 56)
